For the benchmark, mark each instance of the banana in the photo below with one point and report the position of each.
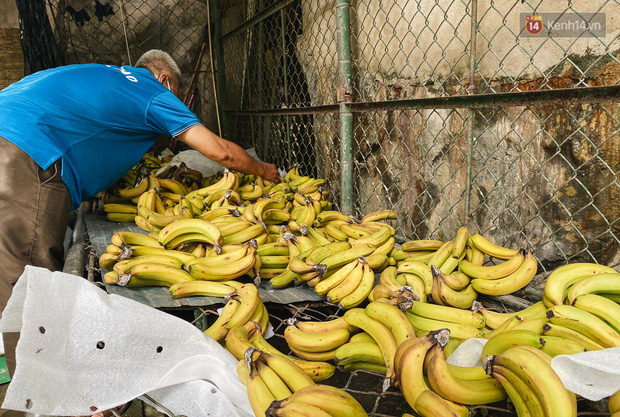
(379, 215)
(264, 204)
(521, 395)
(509, 324)
(533, 325)
(253, 193)
(449, 314)
(473, 254)
(430, 404)
(147, 250)
(350, 352)
(333, 231)
(409, 363)
(296, 409)
(321, 252)
(331, 215)
(383, 336)
(361, 292)
(292, 375)
(562, 278)
(313, 234)
(353, 232)
(107, 261)
(450, 264)
(215, 260)
(150, 274)
(209, 230)
(614, 403)
(143, 224)
(602, 307)
(120, 208)
(203, 288)
(324, 326)
(375, 239)
(342, 258)
(441, 254)
(228, 181)
(602, 283)
(157, 219)
(585, 323)
(422, 245)
(327, 355)
(129, 193)
(491, 249)
(226, 270)
(500, 342)
(336, 278)
(513, 282)
(457, 330)
(554, 346)
(334, 401)
(551, 329)
(500, 270)
(276, 216)
(467, 392)
(365, 366)
(456, 280)
(444, 295)
(495, 319)
(284, 279)
(273, 249)
(173, 186)
(110, 278)
(348, 285)
(303, 243)
(275, 384)
(259, 394)
(393, 318)
(315, 342)
(121, 217)
(210, 215)
(460, 242)
(249, 297)
(422, 270)
(554, 398)
(124, 266)
(218, 330)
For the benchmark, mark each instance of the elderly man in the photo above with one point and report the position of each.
(69, 132)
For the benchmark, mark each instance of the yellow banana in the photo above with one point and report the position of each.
(120, 208)
(601, 283)
(554, 398)
(430, 404)
(422, 245)
(150, 274)
(522, 397)
(259, 394)
(342, 258)
(460, 242)
(209, 230)
(121, 217)
(457, 330)
(558, 282)
(554, 346)
(348, 284)
(585, 323)
(379, 215)
(203, 288)
(551, 329)
(500, 270)
(249, 297)
(444, 295)
(383, 336)
(218, 330)
(393, 318)
(278, 388)
(129, 193)
(124, 266)
(332, 400)
(422, 270)
(441, 254)
(511, 283)
(294, 377)
(491, 248)
(361, 292)
(325, 325)
(376, 239)
(449, 314)
(502, 341)
(315, 342)
(467, 392)
(350, 352)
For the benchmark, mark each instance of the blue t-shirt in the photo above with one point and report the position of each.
(100, 119)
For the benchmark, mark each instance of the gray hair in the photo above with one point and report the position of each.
(158, 61)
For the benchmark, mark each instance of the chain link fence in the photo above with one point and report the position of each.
(502, 116)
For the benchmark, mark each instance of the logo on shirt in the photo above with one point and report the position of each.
(126, 73)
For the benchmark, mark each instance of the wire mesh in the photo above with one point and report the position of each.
(542, 171)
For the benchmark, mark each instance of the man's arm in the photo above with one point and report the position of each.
(227, 154)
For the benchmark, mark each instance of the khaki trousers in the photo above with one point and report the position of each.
(35, 206)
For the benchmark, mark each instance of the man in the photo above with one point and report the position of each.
(68, 133)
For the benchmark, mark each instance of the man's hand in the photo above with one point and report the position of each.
(271, 173)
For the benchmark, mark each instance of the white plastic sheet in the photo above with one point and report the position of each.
(82, 350)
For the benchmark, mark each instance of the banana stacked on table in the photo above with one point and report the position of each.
(278, 387)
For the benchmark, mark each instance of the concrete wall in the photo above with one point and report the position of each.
(11, 56)
(8, 17)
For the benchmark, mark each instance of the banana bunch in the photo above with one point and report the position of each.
(317, 342)
(250, 335)
(269, 378)
(243, 306)
(360, 352)
(317, 400)
(530, 382)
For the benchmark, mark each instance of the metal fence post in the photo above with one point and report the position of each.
(221, 74)
(345, 91)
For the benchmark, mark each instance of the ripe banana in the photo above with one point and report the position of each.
(218, 330)
(124, 266)
(444, 295)
(430, 404)
(492, 249)
(351, 352)
(294, 377)
(393, 318)
(336, 278)
(460, 242)
(325, 325)
(150, 274)
(585, 323)
(554, 398)
(315, 342)
(379, 215)
(551, 329)
(348, 285)
(334, 401)
(457, 330)
(521, 395)
(562, 278)
(469, 392)
(361, 292)
(212, 233)
(513, 282)
(449, 314)
(500, 342)
(422, 245)
(383, 336)
(554, 346)
(602, 283)
(420, 269)
(249, 297)
(500, 270)
(226, 270)
(203, 288)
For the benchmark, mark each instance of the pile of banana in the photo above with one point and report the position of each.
(205, 239)
(277, 387)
